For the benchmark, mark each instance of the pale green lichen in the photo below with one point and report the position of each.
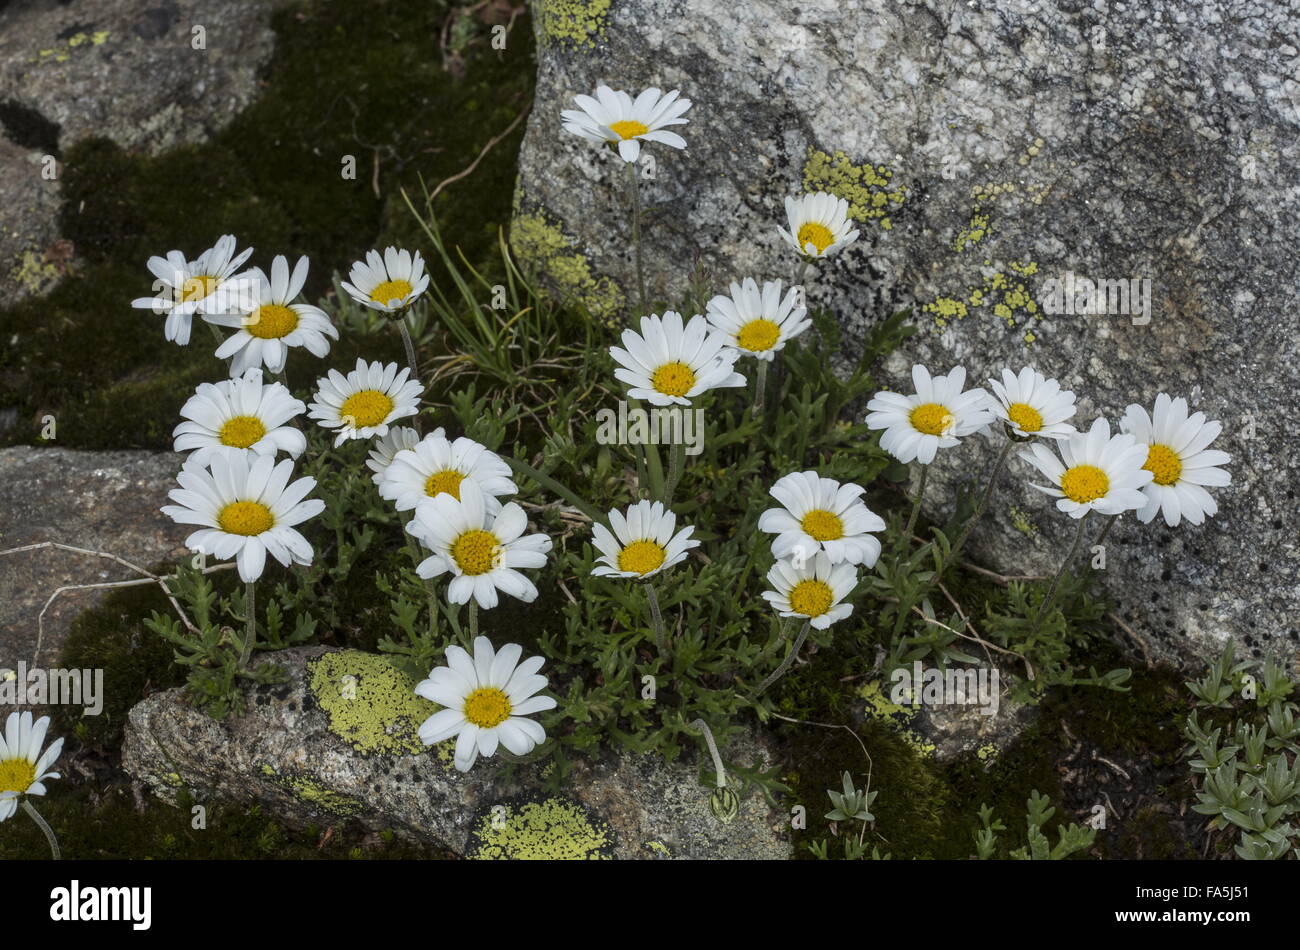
(555, 829)
(370, 703)
(545, 250)
(322, 798)
(869, 189)
(883, 709)
(575, 22)
(1006, 293)
(34, 273)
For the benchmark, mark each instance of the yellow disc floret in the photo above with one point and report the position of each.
(391, 290)
(241, 431)
(932, 419)
(1084, 483)
(1164, 463)
(758, 336)
(475, 552)
(628, 128)
(816, 234)
(198, 287)
(445, 482)
(641, 557)
(245, 517)
(487, 707)
(367, 407)
(822, 525)
(271, 321)
(1025, 417)
(673, 379)
(811, 598)
(16, 775)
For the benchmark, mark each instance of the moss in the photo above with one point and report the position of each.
(869, 189)
(544, 249)
(574, 22)
(370, 703)
(554, 829)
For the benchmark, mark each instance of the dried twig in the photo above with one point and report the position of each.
(474, 164)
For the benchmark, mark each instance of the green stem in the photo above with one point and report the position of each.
(1110, 523)
(657, 618)
(1056, 581)
(983, 505)
(785, 664)
(409, 346)
(634, 184)
(916, 506)
(760, 387)
(250, 627)
(473, 619)
(674, 472)
(45, 827)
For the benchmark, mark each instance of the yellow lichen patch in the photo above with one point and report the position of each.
(974, 231)
(371, 705)
(545, 250)
(577, 22)
(322, 798)
(1005, 293)
(34, 273)
(881, 707)
(556, 829)
(869, 189)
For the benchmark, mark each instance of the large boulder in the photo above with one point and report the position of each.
(986, 149)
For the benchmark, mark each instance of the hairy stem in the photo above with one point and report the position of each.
(785, 664)
(45, 827)
(983, 505)
(916, 506)
(703, 727)
(473, 619)
(1056, 581)
(657, 618)
(674, 472)
(250, 623)
(634, 186)
(760, 387)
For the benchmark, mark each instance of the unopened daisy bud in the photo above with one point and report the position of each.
(1179, 459)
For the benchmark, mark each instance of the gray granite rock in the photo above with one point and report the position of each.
(988, 148)
(337, 740)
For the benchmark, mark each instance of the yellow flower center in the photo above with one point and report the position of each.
(487, 707)
(932, 419)
(673, 379)
(16, 775)
(365, 408)
(818, 235)
(445, 482)
(271, 321)
(475, 552)
(758, 335)
(811, 598)
(1025, 417)
(241, 431)
(628, 128)
(641, 557)
(822, 525)
(1164, 463)
(1084, 483)
(245, 517)
(390, 290)
(198, 287)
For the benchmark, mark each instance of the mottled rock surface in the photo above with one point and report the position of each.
(128, 70)
(338, 740)
(986, 149)
(103, 501)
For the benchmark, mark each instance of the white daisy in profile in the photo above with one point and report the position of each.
(365, 401)
(23, 767)
(481, 550)
(1032, 405)
(643, 543)
(244, 415)
(937, 416)
(268, 323)
(819, 224)
(614, 116)
(436, 466)
(669, 363)
(207, 285)
(390, 283)
(1101, 472)
(757, 322)
(820, 514)
(814, 589)
(1179, 459)
(486, 699)
(246, 507)
(384, 448)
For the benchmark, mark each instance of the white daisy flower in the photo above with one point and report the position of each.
(938, 416)
(486, 699)
(243, 415)
(1179, 460)
(820, 514)
(480, 549)
(813, 590)
(436, 466)
(615, 117)
(390, 283)
(204, 286)
(669, 363)
(365, 401)
(383, 449)
(246, 507)
(268, 323)
(1101, 473)
(643, 542)
(1032, 405)
(758, 323)
(23, 767)
(819, 224)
